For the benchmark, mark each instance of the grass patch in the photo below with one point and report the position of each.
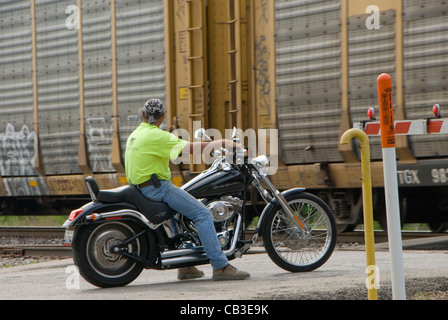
(32, 221)
(406, 227)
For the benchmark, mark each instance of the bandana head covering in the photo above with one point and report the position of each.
(153, 109)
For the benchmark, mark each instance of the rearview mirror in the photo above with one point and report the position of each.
(234, 135)
(201, 135)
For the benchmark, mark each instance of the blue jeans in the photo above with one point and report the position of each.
(187, 205)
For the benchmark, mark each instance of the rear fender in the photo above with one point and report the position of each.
(96, 211)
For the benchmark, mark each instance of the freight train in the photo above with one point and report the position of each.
(74, 73)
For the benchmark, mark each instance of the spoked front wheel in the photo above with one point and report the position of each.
(293, 248)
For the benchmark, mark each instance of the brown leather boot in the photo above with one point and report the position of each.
(229, 272)
(189, 273)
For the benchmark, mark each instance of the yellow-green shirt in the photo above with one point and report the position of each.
(149, 150)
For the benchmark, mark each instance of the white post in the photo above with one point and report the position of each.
(391, 186)
(393, 224)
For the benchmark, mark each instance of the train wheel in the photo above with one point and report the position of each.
(438, 226)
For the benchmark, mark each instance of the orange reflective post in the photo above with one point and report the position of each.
(384, 83)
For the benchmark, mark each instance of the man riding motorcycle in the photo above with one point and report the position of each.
(148, 151)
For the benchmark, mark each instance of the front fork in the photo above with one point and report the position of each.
(296, 220)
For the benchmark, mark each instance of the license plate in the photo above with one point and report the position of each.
(68, 237)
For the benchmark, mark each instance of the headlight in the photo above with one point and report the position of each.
(262, 161)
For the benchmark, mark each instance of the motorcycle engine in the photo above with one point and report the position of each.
(223, 211)
(225, 208)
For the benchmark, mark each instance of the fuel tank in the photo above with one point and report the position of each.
(215, 183)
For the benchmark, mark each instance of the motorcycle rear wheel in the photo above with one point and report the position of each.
(97, 263)
(296, 250)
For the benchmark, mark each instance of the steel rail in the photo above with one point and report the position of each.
(44, 232)
(15, 251)
(354, 236)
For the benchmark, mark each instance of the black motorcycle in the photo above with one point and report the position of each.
(120, 232)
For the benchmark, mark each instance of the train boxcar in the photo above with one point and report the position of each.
(74, 73)
(339, 51)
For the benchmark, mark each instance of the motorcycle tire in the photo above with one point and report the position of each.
(97, 263)
(292, 248)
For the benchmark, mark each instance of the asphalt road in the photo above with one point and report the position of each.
(343, 273)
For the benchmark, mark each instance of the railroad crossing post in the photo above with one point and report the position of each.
(367, 206)
(384, 83)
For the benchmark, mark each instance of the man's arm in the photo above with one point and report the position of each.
(213, 144)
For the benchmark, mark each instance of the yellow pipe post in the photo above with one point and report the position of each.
(367, 206)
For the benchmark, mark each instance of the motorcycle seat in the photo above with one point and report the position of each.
(154, 211)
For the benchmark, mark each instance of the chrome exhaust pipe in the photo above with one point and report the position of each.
(197, 254)
(181, 252)
(196, 259)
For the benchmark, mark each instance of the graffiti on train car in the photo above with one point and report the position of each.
(18, 151)
(25, 186)
(99, 142)
(262, 72)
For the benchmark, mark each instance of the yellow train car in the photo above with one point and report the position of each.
(73, 76)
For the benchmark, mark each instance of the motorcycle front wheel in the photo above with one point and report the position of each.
(97, 263)
(291, 247)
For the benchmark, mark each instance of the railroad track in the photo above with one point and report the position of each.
(61, 251)
(381, 236)
(32, 232)
(28, 247)
(16, 251)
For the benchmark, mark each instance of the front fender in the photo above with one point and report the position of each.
(272, 205)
